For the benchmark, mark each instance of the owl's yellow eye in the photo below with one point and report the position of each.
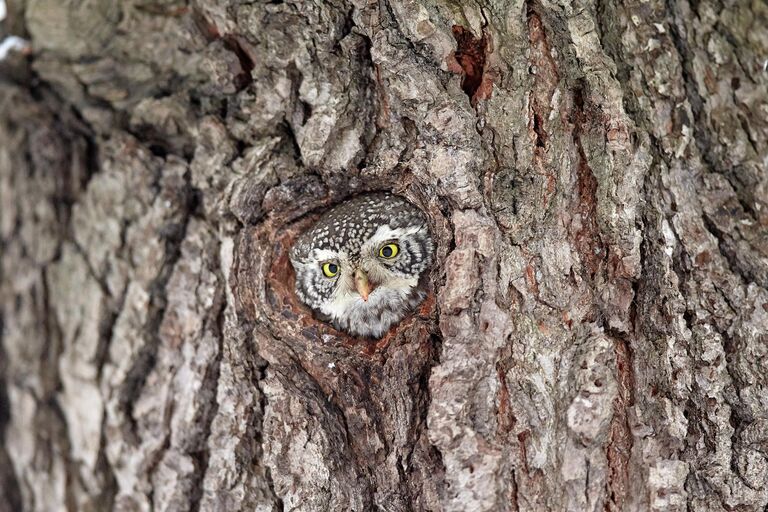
(330, 269)
(389, 251)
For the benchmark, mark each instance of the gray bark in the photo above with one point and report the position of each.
(596, 334)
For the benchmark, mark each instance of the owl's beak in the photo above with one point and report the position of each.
(361, 283)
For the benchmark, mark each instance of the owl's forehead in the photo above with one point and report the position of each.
(350, 225)
(342, 236)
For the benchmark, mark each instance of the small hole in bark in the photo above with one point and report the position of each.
(529, 10)
(235, 44)
(471, 55)
(306, 111)
(158, 150)
(195, 201)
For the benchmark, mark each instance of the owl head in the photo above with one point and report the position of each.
(360, 266)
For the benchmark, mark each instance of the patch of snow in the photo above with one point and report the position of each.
(12, 43)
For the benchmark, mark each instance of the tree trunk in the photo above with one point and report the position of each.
(596, 333)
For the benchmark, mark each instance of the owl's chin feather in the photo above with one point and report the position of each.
(385, 307)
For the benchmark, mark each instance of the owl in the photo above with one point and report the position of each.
(362, 266)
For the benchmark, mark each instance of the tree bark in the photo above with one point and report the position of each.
(596, 332)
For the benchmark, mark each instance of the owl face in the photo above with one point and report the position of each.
(360, 266)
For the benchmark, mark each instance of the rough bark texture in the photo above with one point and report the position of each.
(596, 336)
